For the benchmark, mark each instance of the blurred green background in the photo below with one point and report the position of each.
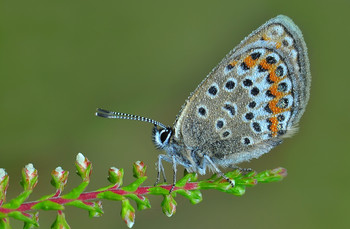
(61, 60)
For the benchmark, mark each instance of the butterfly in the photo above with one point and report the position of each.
(246, 105)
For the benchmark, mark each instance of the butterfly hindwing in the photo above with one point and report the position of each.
(253, 98)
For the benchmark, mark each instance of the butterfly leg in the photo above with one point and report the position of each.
(174, 170)
(160, 167)
(217, 170)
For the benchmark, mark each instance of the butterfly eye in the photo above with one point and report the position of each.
(164, 135)
(161, 137)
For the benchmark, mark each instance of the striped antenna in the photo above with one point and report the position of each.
(111, 114)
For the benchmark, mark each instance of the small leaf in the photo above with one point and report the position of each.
(238, 190)
(80, 204)
(247, 182)
(60, 222)
(128, 213)
(134, 185)
(45, 197)
(5, 223)
(158, 191)
(110, 196)
(182, 182)
(16, 202)
(47, 205)
(141, 201)
(195, 196)
(75, 192)
(271, 175)
(21, 216)
(168, 205)
(97, 212)
(35, 218)
(234, 174)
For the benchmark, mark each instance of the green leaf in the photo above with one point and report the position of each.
(5, 223)
(16, 202)
(168, 205)
(234, 174)
(45, 197)
(75, 192)
(158, 191)
(35, 218)
(134, 185)
(80, 204)
(247, 182)
(110, 196)
(127, 213)
(206, 185)
(183, 181)
(60, 222)
(141, 201)
(97, 212)
(20, 216)
(47, 205)
(271, 175)
(238, 190)
(195, 196)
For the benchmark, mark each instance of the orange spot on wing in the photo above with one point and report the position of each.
(273, 105)
(233, 63)
(278, 45)
(249, 61)
(264, 37)
(273, 76)
(273, 127)
(265, 65)
(274, 90)
(278, 95)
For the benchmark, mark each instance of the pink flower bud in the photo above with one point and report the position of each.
(128, 213)
(115, 176)
(98, 212)
(84, 166)
(139, 169)
(82, 162)
(169, 205)
(59, 178)
(29, 177)
(3, 174)
(4, 182)
(280, 171)
(30, 171)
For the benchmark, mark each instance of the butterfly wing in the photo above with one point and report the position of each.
(252, 99)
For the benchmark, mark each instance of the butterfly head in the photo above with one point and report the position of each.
(161, 137)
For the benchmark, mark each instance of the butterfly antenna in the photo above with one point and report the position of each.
(111, 114)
